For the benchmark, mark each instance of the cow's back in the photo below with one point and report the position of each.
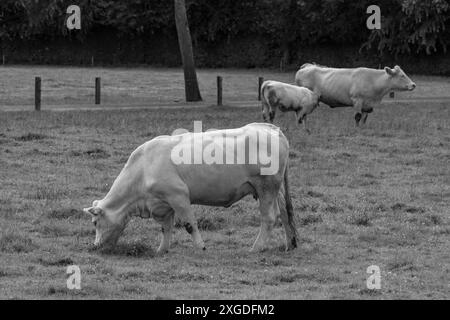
(288, 97)
(336, 86)
(250, 139)
(209, 181)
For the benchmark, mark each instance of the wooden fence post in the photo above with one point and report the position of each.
(260, 82)
(37, 93)
(219, 91)
(97, 90)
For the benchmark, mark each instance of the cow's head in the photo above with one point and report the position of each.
(107, 227)
(399, 80)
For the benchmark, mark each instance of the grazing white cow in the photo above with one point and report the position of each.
(167, 174)
(287, 97)
(362, 88)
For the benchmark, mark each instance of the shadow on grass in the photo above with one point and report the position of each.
(136, 250)
(60, 291)
(95, 153)
(31, 137)
(65, 213)
(16, 243)
(317, 276)
(205, 223)
(407, 208)
(58, 262)
(310, 219)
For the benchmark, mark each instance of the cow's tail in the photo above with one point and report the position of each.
(265, 106)
(263, 91)
(287, 212)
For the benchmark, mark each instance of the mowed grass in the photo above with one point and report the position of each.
(63, 86)
(378, 195)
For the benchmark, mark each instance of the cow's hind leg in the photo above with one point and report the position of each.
(166, 229)
(265, 110)
(268, 212)
(305, 127)
(299, 115)
(268, 112)
(181, 204)
(301, 119)
(272, 114)
(287, 221)
(358, 117)
(273, 103)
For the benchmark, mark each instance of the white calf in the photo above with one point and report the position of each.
(287, 97)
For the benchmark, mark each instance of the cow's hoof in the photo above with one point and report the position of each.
(161, 252)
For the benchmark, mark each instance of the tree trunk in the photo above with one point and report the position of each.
(289, 33)
(184, 40)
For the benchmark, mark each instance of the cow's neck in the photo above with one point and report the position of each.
(383, 84)
(124, 193)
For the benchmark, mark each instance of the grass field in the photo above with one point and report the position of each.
(152, 87)
(375, 196)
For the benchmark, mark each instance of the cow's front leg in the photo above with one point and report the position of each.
(192, 228)
(365, 112)
(166, 229)
(182, 207)
(358, 104)
(301, 118)
(305, 126)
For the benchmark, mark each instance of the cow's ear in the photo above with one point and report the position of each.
(389, 71)
(94, 211)
(397, 68)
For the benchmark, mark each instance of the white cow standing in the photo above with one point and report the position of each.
(286, 97)
(152, 184)
(362, 88)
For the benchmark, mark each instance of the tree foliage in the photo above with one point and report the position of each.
(413, 26)
(408, 26)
